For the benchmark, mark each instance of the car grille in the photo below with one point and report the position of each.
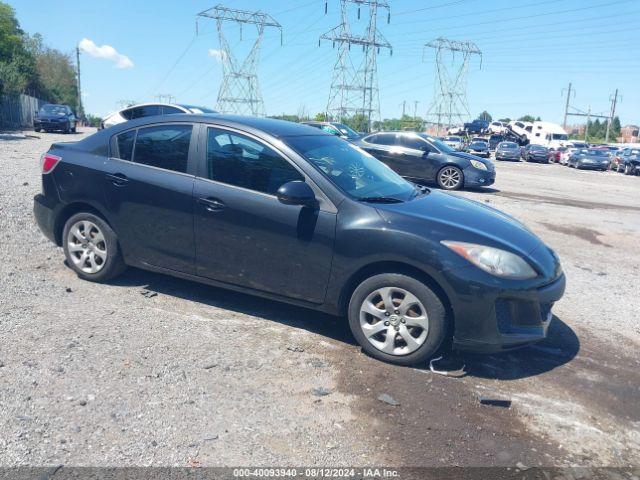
(513, 316)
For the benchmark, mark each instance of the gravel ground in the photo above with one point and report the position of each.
(151, 370)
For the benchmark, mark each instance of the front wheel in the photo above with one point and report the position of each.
(450, 178)
(627, 169)
(397, 319)
(91, 248)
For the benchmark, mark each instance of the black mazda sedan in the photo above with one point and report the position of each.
(288, 212)
(423, 158)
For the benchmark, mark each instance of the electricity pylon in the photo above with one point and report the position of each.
(239, 91)
(449, 102)
(354, 85)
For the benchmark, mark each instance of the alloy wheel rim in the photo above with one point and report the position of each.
(394, 321)
(450, 177)
(87, 246)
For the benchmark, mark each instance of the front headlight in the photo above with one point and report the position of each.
(477, 164)
(493, 260)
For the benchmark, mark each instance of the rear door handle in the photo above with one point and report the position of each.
(212, 204)
(118, 179)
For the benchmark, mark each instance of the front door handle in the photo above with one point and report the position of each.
(212, 204)
(118, 179)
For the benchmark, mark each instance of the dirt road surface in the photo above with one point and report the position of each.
(151, 370)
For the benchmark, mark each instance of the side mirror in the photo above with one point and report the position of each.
(297, 193)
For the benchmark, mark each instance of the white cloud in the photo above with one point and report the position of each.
(217, 54)
(105, 51)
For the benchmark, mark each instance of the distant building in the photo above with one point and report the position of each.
(629, 134)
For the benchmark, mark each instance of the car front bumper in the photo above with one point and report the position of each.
(592, 166)
(474, 177)
(51, 125)
(484, 153)
(492, 319)
(538, 158)
(507, 156)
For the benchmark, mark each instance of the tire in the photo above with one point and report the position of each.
(36, 130)
(627, 169)
(102, 256)
(450, 177)
(74, 129)
(425, 307)
(619, 168)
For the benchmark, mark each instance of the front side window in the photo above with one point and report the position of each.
(352, 169)
(164, 146)
(413, 142)
(330, 129)
(240, 161)
(125, 144)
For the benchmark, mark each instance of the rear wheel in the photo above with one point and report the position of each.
(91, 248)
(36, 129)
(450, 178)
(627, 169)
(397, 319)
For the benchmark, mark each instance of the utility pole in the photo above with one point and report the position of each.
(614, 100)
(566, 108)
(354, 83)
(80, 109)
(415, 110)
(586, 128)
(239, 91)
(165, 98)
(404, 108)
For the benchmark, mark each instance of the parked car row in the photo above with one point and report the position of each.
(322, 224)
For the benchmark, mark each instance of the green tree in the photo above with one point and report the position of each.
(527, 118)
(504, 120)
(57, 77)
(485, 116)
(320, 117)
(17, 63)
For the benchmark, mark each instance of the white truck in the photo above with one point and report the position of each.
(548, 134)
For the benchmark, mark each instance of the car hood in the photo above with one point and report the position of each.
(51, 117)
(442, 216)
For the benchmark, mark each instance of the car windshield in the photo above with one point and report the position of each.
(346, 130)
(559, 136)
(478, 145)
(508, 145)
(352, 169)
(53, 110)
(538, 148)
(452, 139)
(597, 152)
(439, 144)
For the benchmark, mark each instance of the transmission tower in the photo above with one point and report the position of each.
(239, 91)
(449, 102)
(354, 83)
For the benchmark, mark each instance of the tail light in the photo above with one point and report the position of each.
(49, 162)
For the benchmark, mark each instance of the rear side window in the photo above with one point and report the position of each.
(385, 139)
(125, 144)
(240, 161)
(170, 110)
(413, 142)
(144, 111)
(165, 146)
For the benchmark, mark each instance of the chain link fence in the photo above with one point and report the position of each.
(17, 111)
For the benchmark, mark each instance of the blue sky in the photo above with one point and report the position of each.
(531, 51)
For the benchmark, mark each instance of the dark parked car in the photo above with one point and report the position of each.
(52, 117)
(479, 148)
(423, 158)
(590, 159)
(494, 140)
(508, 151)
(629, 161)
(290, 213)
(477, 126)
(337, 129)
(536, 153)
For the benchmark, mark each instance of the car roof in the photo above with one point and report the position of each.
(273, 127)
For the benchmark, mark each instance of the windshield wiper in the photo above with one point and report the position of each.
(381, 200)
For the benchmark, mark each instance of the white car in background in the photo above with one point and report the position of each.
(454, 142)
(457, 130)
(149, 109)
(521, 128)
(497, 127)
